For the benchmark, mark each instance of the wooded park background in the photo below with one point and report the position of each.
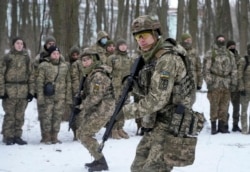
(76, 22)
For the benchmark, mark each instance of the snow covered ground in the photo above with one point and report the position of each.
(217, 153)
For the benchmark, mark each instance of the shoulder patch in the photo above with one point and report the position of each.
(164, 76)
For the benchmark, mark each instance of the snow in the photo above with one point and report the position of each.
(214, 153)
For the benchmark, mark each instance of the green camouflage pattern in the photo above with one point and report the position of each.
(16, 80)
(155, 96)
(96, 108)
(244, 85)
(76, 73)
(219, 68)
(53, 107)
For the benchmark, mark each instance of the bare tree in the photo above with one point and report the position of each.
(243, 25)
(3, 30)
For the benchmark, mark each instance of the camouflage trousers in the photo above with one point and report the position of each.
(244, 100)
(14, 117)
(235, 99)
(50, 115)
(150, 152)
(90, 124)
(219, 101)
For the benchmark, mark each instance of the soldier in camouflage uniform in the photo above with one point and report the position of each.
(100, 46)
(76, 73)
(97, 106)
(220, 74)
(74, 54)
(120, 63)
(160, 87)
(52, 98)
(244, 87)
(110, 48)
(16, 90)
(195, 66)
(235, 94)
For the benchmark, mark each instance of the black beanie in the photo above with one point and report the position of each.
(16, 39)
(52, 49)
(230, 42)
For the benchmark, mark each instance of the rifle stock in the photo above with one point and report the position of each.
(77, 97)
(129, 84)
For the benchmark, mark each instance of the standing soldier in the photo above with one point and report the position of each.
(76, 73)
(195, 63)
(74, 54)
(110, 48)
(120, 63)
(16, 90)
(235, 94)
(244, 87)
(163, 84)
(97, 106)
(53, 92)
(220, 74)
(100, 46)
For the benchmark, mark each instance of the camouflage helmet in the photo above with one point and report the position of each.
(102, 34)
(90, 52)
(145, 23)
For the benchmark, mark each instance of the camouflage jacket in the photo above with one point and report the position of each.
(98, 91)
(101, 51)
(16, 78)
(195, 66)
(219, 69)
(76, 73)
(244, 74)
(47, 72)
(120, 63)
(168, 69)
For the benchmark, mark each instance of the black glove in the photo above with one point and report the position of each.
(243, 93)
(76, 111)
(198, 87)
(180, 109)
(77, 101)
(29, 97)
(35, 95)
(5, 96)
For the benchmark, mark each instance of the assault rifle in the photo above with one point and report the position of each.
(138, 64)
(76, 101)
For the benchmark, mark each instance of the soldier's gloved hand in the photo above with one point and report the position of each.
(243, 93)
(76, 111)
(35, 95)
(198, 87)
(77, 101)
(29, 97)
(180, 109)
(5, 96)
(119, 115)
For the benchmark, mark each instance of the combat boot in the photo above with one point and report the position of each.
(123, 134)
(236, 128)
(213, 128)
(9, 141)
(54, 138)
(115, 134)
(222, 127)
(91, 164)
(46, 138)
(19, 141)
(100, 165)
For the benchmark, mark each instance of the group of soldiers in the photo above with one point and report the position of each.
(164, 92)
